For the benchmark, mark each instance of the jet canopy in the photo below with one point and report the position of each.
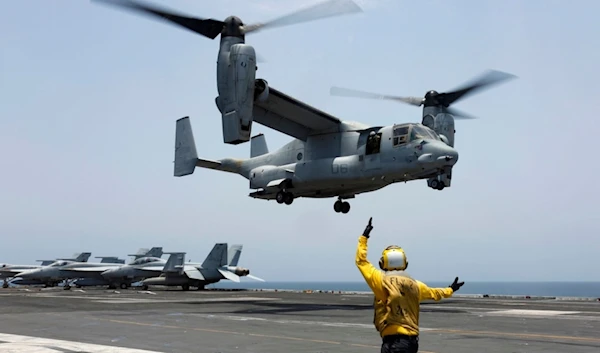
(59, 263)
(145, 260)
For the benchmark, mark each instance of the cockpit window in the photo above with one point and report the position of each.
(419, 132)
(58, 263)
(400, 135)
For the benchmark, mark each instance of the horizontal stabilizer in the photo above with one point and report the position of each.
(193, 273)
(230, 275)
(205, 163)
(255, 278)
(258, 146)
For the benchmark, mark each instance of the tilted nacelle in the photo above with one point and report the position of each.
(442, 124)
(237, 83)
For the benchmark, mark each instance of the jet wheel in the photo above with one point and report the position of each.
(123, 285)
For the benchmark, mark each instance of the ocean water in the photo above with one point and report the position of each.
(553, 289)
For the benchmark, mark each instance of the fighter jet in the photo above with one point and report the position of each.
(140, 269)
(11, 271)
(90, 274)
(219, 264)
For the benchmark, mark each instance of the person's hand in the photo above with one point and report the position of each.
(368, 228)
(456, 284)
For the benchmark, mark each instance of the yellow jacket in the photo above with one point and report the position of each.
(395, 313)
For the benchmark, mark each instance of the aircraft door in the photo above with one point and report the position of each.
(372, 159)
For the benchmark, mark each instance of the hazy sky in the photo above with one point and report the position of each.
(90, 95)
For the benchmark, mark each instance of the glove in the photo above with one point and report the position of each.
(368, 228)
(456, 284)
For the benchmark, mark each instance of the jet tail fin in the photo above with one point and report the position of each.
(110, 260)
(79, 257)
(156, 251)
(233, 254)
(217, 256)
(174, 263)
(258, 146)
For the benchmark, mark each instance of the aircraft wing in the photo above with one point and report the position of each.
(291, 116)
(88, 269)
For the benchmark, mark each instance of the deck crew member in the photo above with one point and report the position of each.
(397, 296)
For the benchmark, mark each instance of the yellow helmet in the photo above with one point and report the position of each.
(393, 258)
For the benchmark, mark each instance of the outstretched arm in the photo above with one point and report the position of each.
(371, 274)
(438, 293)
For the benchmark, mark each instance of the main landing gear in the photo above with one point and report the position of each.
(341, 206)
(437, 184)
(284, 196)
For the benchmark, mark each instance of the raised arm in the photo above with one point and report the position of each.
(371, 274)
(438, 293)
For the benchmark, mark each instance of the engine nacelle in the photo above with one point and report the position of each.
(240, 271)
(236, 93)
(260, 177)
(442, 124)
(261, 90)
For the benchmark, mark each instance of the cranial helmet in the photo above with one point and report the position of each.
(393, 258)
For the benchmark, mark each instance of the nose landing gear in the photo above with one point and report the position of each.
(341, 206)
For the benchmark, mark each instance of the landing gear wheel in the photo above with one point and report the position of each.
(186, 287)
(145, 287)
(435, 184)
(289, 198)
(345, 207)
(123, 286)
(4, 285)
(66, 287)
(280, 197)
(441, 186)
(337, 206)
(341, 206)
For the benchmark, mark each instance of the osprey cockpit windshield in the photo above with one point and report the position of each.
(408, 132)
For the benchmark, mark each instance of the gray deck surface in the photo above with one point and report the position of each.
(260, 321)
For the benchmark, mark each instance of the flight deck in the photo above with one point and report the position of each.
(135, 321)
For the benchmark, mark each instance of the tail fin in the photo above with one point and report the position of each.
(45, 262)
(186, 157)
(82, 257)
(185, 148)
(233, 254)
(110, 260)
(156, 251)
(175, 262)
(258, 146)
(217, 256)
(140, 253)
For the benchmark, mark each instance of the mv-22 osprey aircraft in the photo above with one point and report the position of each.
(328, 157)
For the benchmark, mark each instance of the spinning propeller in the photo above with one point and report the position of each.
(233, 26)
(434, 98)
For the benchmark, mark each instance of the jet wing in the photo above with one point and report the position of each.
(88, 269)
(292, 117)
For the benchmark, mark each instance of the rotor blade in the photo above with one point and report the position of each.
(347, 92)
(458, 114)
(207, 27)
(321, 10)
(489, 78)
